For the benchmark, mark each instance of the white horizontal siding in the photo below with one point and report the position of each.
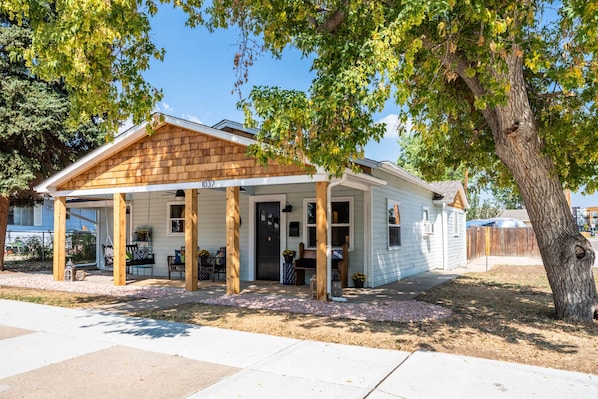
(456, 251)
(418, 252)
(211, 224)
(296, 193)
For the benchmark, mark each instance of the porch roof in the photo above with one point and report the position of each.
(179, 155)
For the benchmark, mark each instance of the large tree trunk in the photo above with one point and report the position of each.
(568, 256)
(4, 204)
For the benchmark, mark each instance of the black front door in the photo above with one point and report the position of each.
(267, 232)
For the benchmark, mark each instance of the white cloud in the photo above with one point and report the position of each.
(392, 125)
(192, 118)
(165, 107)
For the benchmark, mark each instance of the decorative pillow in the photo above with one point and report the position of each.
(129, 256)
(177, 256)
(109, 251)
(139, 254)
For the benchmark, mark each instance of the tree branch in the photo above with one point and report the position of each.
(452, 61)
(333, 21)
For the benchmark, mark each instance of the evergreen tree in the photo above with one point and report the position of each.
(35, 141)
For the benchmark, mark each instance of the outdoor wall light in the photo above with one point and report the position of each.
(180, 194)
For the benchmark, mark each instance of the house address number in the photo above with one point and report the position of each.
(208, 184)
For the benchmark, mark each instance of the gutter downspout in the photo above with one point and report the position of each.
(329, 232)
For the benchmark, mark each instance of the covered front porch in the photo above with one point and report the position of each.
(181, 155)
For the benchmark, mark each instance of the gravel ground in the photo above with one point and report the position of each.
(397, 311)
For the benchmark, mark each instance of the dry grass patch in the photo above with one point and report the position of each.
(57, 298)
(505, 314)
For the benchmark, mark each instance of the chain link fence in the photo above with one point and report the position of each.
(81, 246)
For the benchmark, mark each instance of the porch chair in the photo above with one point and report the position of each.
(220, 262)
(207, 267)
(176, 263)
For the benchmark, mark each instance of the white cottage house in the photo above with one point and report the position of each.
(193, 186)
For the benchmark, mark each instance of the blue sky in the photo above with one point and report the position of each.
(197, 76)
(197, 79)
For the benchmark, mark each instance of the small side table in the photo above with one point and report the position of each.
(288, 273)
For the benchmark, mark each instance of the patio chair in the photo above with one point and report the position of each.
(207, 267)
(220, 262)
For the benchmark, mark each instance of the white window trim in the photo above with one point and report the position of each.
(389, 203)
(351, 221)
(169, 219)
(456, 227)
(38, 215)
(427, 226)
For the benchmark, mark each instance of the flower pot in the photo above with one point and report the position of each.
(288, 259)
(358, 283)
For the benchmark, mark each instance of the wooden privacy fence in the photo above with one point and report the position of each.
(515, 241)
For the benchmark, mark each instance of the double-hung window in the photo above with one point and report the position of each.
(341, 221)
(24, 216)
(456, 224)
(175, 218)
(428, 226)
(394, 224)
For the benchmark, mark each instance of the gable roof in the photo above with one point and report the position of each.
(453, 193)
(519, 214)
(179, 154)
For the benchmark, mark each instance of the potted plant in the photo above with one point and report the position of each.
(358, 279)
(289, 255)
(203, 253)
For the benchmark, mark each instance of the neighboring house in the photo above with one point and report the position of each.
(586, 218)
(38, 220)
(517, 214)
(454, 202)
(499, 222)
(398, 225)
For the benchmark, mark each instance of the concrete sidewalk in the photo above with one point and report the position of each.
(51, 352)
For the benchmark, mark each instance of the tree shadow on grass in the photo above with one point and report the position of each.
(506, 321)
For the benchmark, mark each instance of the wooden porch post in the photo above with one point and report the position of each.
(321, 240)
(191, 265)
(59, 261)
(233, 279)
(120, 239)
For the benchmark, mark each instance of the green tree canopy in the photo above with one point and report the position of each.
(513, 78)
(35, 139)
(98, 49)
(432, 162)
(481, 80)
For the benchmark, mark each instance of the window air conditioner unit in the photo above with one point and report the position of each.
(428, 228)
